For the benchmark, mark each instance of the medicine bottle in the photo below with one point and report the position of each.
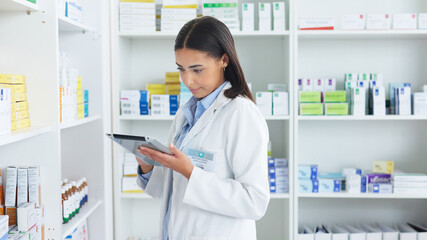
(64, 207)
(76, 194)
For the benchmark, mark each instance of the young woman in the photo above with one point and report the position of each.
(216, 184)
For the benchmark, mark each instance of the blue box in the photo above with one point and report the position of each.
(364, 184)
(85, 96)
(173, 99)
(329, 185)
(307, 172)
(86, 111)
(144, 111)
(308, 186)
(277, 162)
(278, 172)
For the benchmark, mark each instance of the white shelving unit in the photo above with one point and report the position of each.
(32, 37)
(68, 25)
(141, 58)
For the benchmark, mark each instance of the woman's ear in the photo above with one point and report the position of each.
(225, 60)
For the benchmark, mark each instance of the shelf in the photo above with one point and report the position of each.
(85, 212)
(18, 6)
(357, 118)
(135, 196)
(362, 34)
(67, 25)
(23, 134)
(150, 117)
(172, 35)
(362, 195)
(79, 122)
(146, 196)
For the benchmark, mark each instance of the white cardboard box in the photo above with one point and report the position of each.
(248, 17)
(317, 23)
(26, 216)
(405, 21)
(279, 17)
(404, 101)
(22, 186)
(422, 21)
(264, 13)
(358, 101)
(378, 22)
(353, 22)
(280, 103)
(420, 103)
(264, 101)
(11, 182)
(378, 101)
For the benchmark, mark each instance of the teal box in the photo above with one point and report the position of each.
(329, 185)
(85, 96)
(308, 186)
(86, 114)
(307, 172)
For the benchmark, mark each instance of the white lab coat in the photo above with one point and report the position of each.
(224, 203)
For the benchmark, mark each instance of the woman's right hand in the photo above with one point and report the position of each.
(143, 165)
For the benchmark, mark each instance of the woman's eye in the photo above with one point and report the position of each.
(198, 70)
(180, 69)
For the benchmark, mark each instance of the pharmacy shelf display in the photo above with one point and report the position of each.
(142, 58)
(337, 142)
(82, 152)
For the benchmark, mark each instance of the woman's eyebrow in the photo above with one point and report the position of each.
(192, 66)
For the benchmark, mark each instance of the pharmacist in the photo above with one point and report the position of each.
(216, 184)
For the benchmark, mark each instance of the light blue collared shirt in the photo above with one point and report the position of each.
(192, 110)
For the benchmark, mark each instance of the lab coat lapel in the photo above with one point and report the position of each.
(206, 117)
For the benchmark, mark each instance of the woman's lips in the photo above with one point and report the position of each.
(194, 90)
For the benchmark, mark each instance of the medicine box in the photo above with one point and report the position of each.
(129, 185)
(22, 186)
(279, 16)
(318, 85)
(248, 17)
(404, 101)
(276, 87)
(329, 185)
(307, 84)
(310, 97)
(26, 216)
(405, 21)
(264, 101)
(11, 184)
(422, 21)
(383, 167)
(380, 188)
(277, 163)
(11, 212)
(378, 22)
(4, 227)
(378, 101)
(378, 178)
(358, 101)
(308, 186)
(280, 103)
(34, 185)
(353, 22)
(336, 97)
(353, 183)
(307, 172)
(351, 76)
(311, 109)
(330, 84)
(420, 103)
(264, 15)
(317, 23)
(336, 109)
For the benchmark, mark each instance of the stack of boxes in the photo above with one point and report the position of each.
(130, 166)
(82, 101)
(14, 91)
(173, 84)
(278, 175)
(134, 102)
(137, 16)
(175, 14)
(265, 11)
(336, 103)
(420, 102)
(224, 10)
(273, 102)
(313, 92)
(409, 183)
(164, 105)
(307, 179)
(22, 202)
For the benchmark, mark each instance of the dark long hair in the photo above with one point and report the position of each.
(208, 34)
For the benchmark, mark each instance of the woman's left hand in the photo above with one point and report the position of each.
(178, 162)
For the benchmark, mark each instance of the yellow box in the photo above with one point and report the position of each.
(79, 96)
(155, 86)
(80, 111)
(12, 79)
(79, 83)
(20, 115)
(15, 88)
(181, 6)
(19, 97)
(23, 123)
(172, 78)
(383, 167)
(14, 125)
(173, 92)
(133, 191)
(19, 106)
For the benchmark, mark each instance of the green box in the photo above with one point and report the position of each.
(336, 109)
(310, 97)
(310, 109)
(336, 97)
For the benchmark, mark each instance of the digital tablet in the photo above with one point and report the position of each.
(132, 143)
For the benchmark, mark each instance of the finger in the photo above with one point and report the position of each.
(175, 150)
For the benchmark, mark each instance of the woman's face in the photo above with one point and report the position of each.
(201, 73)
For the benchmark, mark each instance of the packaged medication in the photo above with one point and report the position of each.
(330, 84)
(353, 183)
(353, 22)
(308, 186)
(226, 11)
(336, 109)
(351, 171)
(403, 101)
(11, 184)
(336, 97)
(26, 216)
(277, 163)
(329, 185)
(307, 84)
(34, 185)
(4, 227)
(22, 186)
(173, 19)
(378, 101)
(137, 16)
(5, 111)
(380, 188)
(317, 23)
(383, 167)
(279, 16)
(307, 172)
(264, 101)
(420, 103)
(318, 85)
(299, 84)
(273, 87)
(248, 17)
(378, 178)
(129, 185)
(392, 94)
(422, 21)
(280, 103)
(311, 109)
(351, 77)
(264, 14)
(310, 97)
(164, 104)
(378, 22)
(11, 212)
(405, 21)
(358, 101)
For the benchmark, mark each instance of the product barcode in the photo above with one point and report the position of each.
(127, 112)
(126, 105)
(157, 105)
(156, 97)
(157, 112)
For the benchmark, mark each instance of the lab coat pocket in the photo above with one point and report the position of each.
(206, 238)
